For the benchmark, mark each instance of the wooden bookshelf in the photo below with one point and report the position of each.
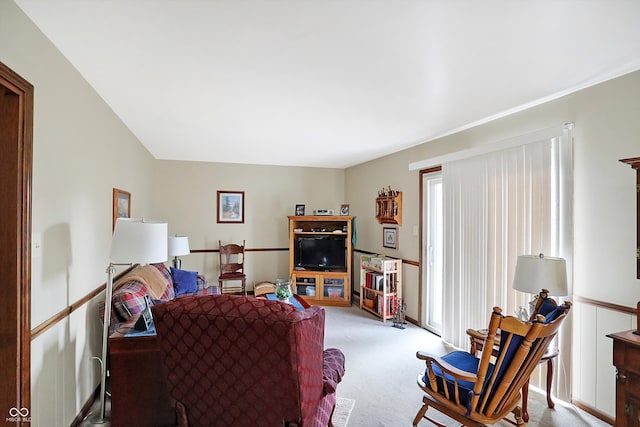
(380, 285)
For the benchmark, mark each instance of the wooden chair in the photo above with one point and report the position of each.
(262, 288)
(544, 305)
(232, 268)
(477, 391)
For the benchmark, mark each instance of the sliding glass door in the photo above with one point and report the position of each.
(432, 252)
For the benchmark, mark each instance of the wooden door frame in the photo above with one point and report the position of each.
(16, 145)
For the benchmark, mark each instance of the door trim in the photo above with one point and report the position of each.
(16, 135)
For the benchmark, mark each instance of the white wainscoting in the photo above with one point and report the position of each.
(593, 374)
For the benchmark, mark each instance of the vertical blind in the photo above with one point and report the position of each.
(497, 206)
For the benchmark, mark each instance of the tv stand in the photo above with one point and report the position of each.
(321, 286)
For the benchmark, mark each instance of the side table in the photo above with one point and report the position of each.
(477, 339)
(139, 394)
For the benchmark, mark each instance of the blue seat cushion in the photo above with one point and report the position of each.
(462, 360)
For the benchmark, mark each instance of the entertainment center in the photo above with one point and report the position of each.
(320, 258)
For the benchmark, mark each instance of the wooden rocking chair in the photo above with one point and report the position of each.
(478, 391)
(545, 306)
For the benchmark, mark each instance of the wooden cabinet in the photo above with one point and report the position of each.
(380, 285)
(626, 359)
(635, 163)
(320, 258)
(389, 207)
(139, 393)
(322, 288)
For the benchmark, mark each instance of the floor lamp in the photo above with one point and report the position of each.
(134, 241)
(537, 272)
(178, 246)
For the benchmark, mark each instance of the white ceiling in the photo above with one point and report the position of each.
(330, 83)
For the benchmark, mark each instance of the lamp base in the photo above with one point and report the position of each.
(97, 420)
(177, 263)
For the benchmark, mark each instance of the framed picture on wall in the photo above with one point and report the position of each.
(390, 237)
(121, 205)
(231, 207)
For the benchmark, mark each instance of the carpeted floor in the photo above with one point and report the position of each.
(381, 372)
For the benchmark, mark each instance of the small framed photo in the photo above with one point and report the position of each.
(121, 205)
(344, 209)
(390, 237)
(231, 207)
(299, 210)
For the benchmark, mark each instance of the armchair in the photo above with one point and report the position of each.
(478, 391)
(241, 361)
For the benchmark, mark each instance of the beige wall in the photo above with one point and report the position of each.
(607, 126)
(362, 185)
(81, 151)
(185, 196)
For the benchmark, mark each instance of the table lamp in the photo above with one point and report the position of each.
(537, 272)
(178, 246)
(134, 241)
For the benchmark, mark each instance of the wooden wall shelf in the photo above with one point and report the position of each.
(389, 207)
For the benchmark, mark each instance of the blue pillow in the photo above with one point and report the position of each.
(184, 282)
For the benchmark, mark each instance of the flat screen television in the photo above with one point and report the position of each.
(321, 253)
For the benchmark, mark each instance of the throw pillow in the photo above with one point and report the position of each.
(184, 282)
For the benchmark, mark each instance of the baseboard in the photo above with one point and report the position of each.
(84, 411)
(593, 411)
(411, 320)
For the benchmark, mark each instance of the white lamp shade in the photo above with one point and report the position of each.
(138, 241)
(537, 272)
(178, 246)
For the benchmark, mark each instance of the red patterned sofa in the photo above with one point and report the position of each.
(239, 361)
(129, 293)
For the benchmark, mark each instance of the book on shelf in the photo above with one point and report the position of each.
(389, 308)
(391, 284)
(374, 280)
